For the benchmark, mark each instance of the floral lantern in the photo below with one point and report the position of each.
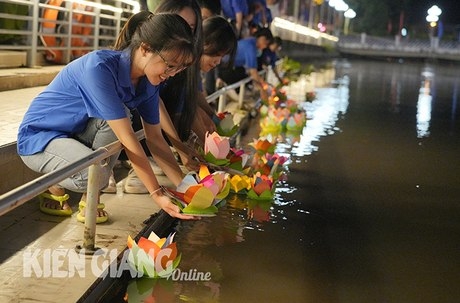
(153, 256)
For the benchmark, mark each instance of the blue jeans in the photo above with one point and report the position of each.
(61, 152)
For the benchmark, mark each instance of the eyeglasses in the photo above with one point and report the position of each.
(170, 68)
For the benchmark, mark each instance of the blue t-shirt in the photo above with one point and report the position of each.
(97, 85)
(257, 18)
(231, 7)
(269, 57)
(246, 53)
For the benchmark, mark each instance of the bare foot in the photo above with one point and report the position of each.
(54, 204)
(100, 212)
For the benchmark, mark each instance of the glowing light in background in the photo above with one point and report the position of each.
(424, 104)
(300, 29)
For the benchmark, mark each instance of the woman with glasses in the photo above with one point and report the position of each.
(191, 13)
(186, 111)
(87, 106)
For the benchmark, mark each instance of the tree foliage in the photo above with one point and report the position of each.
(380, 17)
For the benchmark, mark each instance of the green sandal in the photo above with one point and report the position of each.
(100, 206)
(51, 211)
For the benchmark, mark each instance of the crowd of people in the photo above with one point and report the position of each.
(166, 59)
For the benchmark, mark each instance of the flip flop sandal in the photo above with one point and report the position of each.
(51, 211)
(100, 206)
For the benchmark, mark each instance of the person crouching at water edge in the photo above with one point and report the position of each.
(87, 106)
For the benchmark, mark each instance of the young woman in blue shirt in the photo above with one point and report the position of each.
(88, 105)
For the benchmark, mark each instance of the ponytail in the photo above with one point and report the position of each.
(129, 29)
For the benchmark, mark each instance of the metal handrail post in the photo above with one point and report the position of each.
(241, 95)
(91, 211)
(32, 53)
(96, 30)
(222, 102)
(68, 49)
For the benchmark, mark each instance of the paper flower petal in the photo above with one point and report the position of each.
(189, 180)
(260, 187)
(224, 191)
(239, 183)
(210, 183)
(216, 145)
(266, 195)
(200, 197)
(149, 247)
(203, 172)
(200, 211)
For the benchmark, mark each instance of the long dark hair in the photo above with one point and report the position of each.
(185, 84)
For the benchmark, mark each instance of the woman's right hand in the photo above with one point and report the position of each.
(172, 209)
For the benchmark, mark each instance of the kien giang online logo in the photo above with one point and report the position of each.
(152, 257)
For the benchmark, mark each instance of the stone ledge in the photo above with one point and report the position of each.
(12, 59)
(14, 172)
(19, 78)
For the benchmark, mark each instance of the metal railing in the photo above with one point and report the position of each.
(28, 191)
(221, 94)
(61, 28)
(399, 47)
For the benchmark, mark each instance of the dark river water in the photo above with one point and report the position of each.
(370, 211)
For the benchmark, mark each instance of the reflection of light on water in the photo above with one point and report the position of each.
(423, 115)
(307, 83)
(424, 105)
(322, 115)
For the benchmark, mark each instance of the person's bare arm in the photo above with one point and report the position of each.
(185, 152)
(140, 163)
(203, 103)
(259, 81)
(161, 152)
(239, 19)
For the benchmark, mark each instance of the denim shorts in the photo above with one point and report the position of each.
(60, 152)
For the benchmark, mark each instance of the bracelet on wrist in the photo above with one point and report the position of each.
(155, 191)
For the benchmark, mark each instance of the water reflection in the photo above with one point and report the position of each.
(330, 105)
(424, 103)
(395, 92)
(393, 84)
(454, 105)
(349, 225)
(208, 245)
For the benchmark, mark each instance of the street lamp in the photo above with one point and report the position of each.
(432, 18)
(339, 6)
(349, 14)
(433, 15)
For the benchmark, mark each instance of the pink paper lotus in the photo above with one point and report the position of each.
(296, 122)
(216, 145)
